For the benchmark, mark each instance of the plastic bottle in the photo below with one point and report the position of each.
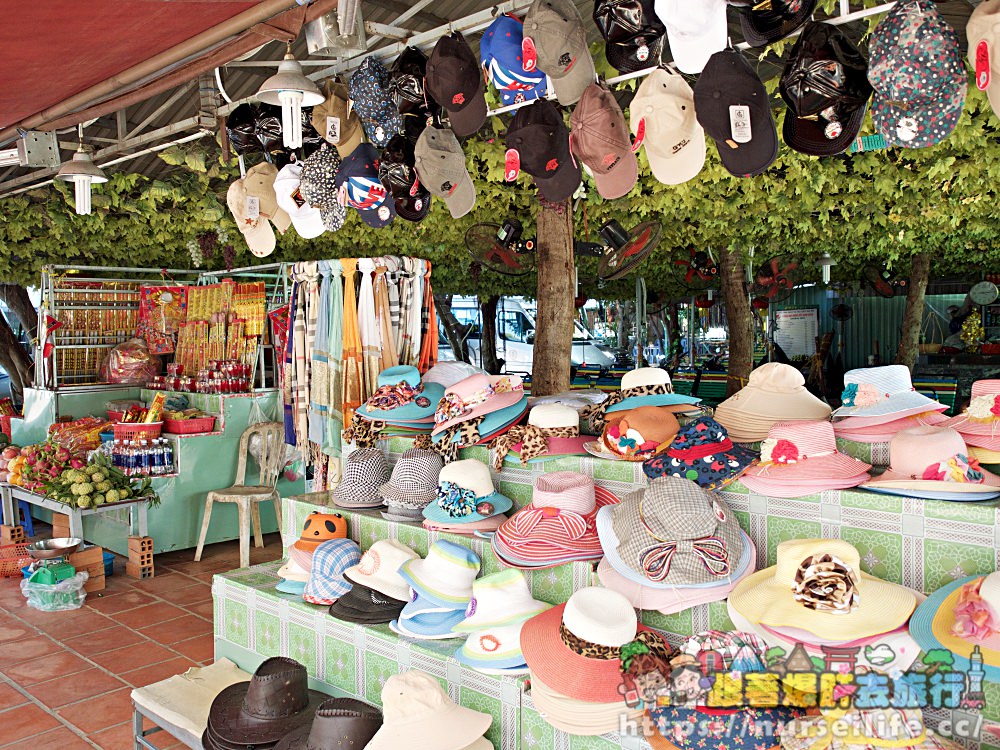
(168, 457)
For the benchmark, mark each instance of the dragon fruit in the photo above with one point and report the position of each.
(62, 455)
(76, 463)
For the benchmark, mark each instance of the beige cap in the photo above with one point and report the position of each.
(663, 108)
(259, 184)
(336, 120)
(440, 164)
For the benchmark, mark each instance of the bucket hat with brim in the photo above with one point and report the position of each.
(424, 619)
(635, 434)
(326, 579)
(379, 567)
(933, 459)
(276, 701)
(963, 616)
(882, 391)
(703, 453)
(499, 599)
(494, 650)
(646, 386)
(338, 723)
(979, 424)
(818, 586)
(414, 480)
(366, 471)
(366, 606)
(465, 494)
(445, 576)
(402, 396)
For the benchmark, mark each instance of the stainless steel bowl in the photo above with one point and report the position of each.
(47, 549)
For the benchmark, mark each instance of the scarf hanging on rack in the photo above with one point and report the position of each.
(416, 302)
(319, 385)
(428, 326)
(288, 373)
(307, 274)
(388, 356)
(352, 370)
(394, 278)
(335, 396)
(371, 344)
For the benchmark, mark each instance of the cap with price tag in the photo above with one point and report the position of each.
(306, 218)
(662, 118)
(732, 105)
(825, 85)
(916, 67)
(983, 32)
(336, 120)
(633, 34)
(254, 206)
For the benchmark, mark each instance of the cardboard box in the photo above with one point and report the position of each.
(94, 583)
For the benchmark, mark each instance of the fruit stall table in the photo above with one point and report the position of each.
(11, 495)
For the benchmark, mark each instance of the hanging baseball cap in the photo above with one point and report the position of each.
(362, 189)
(916, 68)
(501, 53)
(732, 105)
(253, 203)
(373, 102)
(695, 31)
(419, 115)
(397, 173)
(406, 76)
(767, 22)
(318, 185)
(601, 141)
(538, 142)
(555, 37)
(633, 34)
(662, 118)
(825, 85)
(336, 120)
(306, 219)
(983, 33)
(440, 164)
(453, 80)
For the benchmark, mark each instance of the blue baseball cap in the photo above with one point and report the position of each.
(360, 187)
(501, 56)
(373, 102)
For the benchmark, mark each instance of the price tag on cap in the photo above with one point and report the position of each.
(512, 165)
(983, 72)
(253, 207)
(529, 56)
(739, 123)
(640, 135)
(333, 129)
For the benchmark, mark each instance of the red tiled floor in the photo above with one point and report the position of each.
(119, 601)
(200, 649)
(10, 697)
(205, 609)
(26, 721)
(199, 592)
(46, 667)
(11, 630)
(59, 739)
(133, 657)
(151, 614)
(95, 714)
(161, 585)
(104, 640)
(115, 738)
(63, 690)
(33, 647)
(177, 630)
(83, 621)
(157, 672)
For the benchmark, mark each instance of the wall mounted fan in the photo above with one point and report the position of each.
(697, 272)
(774, 280)
(882, 281)
(620, 251)
(501, 247)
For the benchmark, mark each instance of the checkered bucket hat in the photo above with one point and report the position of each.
(366, 471)
(326, 579)
(414, 479)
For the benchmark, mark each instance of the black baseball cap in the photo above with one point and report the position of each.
(825, 85)
(732, 106)
(633, 34)
(771, 20)
(396, 171)
(417, 116)
(406, 76)
(540, 140)
(455, 81)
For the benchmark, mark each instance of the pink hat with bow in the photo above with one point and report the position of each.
(476, 396)
(979, 424)
(558, 525)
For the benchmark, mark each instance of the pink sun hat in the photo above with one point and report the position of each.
(771, 488)
(863, 430)
(979, 424)
(933, 458)
(468, 529)
(476, 396)
(797, 451)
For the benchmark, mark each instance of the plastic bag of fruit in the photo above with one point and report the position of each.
(129, 363)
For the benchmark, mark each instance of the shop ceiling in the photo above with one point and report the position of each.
(145, 74)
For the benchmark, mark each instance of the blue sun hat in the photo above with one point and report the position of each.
(326, 579)
(502, 57)
(445, 576)
(422, 618)
(465, 494)
(402, 397)
(702, 452)
(646, 386)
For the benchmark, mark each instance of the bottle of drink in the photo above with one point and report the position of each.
(168, 457)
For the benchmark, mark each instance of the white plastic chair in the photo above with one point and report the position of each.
(249, 497)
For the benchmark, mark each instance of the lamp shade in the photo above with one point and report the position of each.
(289, 78)
(81, 165)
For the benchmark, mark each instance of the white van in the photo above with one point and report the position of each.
(516, 336)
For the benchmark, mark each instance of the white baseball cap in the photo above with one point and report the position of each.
(695, 30)
(663, 109)
(306, 219)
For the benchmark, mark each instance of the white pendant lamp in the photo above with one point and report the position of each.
(82, 172)
(826, 263)
(290, 90)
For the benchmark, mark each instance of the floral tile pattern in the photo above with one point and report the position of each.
(340, 667)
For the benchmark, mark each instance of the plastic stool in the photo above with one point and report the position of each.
(25, 507)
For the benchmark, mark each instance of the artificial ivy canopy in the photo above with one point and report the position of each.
(881, 205)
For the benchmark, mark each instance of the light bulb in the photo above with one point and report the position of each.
(81, 183)
(826, 274)
(291, 118)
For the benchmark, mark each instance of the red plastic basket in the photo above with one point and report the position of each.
(189, 426)
(138, 430)
(13, 557)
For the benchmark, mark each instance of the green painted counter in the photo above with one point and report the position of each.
(203, 462)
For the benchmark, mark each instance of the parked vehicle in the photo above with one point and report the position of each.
(516, 336)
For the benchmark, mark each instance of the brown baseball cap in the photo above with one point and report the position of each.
(454, 81)
(600, 139)
(336, 120)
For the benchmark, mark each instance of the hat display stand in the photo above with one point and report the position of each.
(920, 543)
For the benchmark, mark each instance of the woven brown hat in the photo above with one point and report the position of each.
(339, 723)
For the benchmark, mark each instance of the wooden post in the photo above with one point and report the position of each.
(556, 291)
(734, 295)
(913, 316)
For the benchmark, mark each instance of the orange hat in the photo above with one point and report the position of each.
(319, 528)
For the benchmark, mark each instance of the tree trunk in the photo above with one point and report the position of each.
(456, 333)
(488, 341)
(913, 317)
(15, 361)
(16, 298)
(551, 370)
(734, 295)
